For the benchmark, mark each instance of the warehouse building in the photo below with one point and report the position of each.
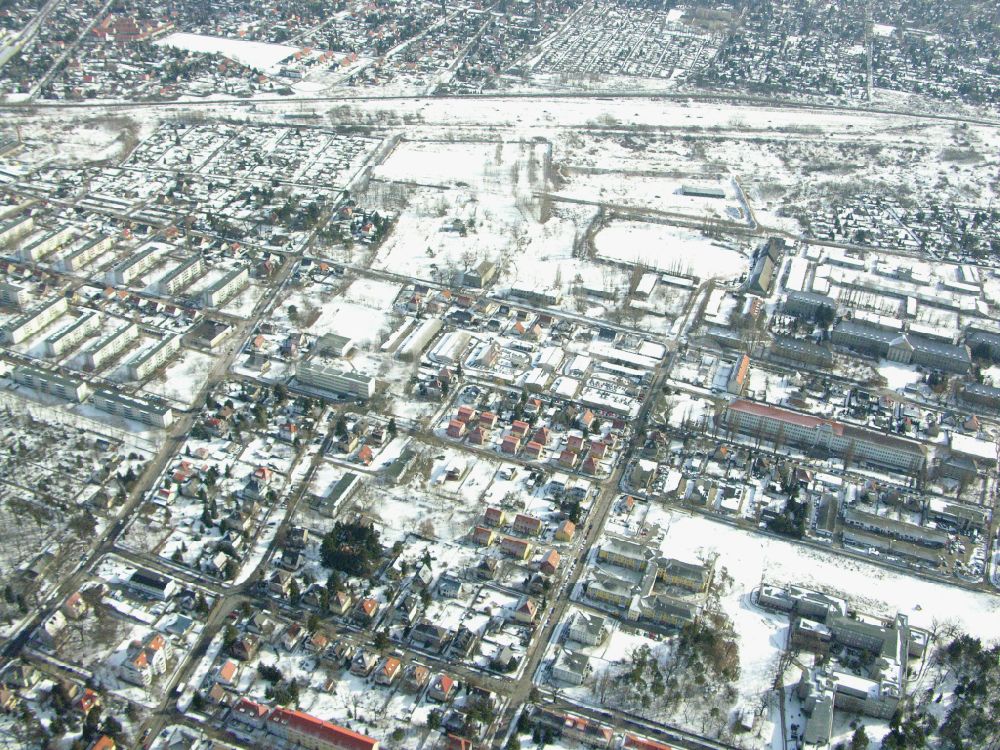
(414, 345)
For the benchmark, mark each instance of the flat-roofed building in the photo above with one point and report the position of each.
(33, 321)
(227, 287)
(315, 374)
(51, 382)
(151, 411)
(83, 255)
(180, 277)
(38, 249)
(110, 346)
(15, 229)
(907, 532)
(72, 336)
(13, 295)
(153, 359)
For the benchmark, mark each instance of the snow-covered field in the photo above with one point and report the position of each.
(749, 558)
(667, 248)
(259, 55)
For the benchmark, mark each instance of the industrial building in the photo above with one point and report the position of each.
(414, 345)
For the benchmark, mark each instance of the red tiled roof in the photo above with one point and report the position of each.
(757, 409)
(327, 733)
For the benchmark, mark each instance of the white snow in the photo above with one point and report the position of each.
(668, 248)
(259, 55)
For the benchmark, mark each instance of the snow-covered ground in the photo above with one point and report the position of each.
(668, 248)
(750, 558)
(259, 55)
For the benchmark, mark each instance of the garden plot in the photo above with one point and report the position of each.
(608, 39)
(670, 249)
(437, 509)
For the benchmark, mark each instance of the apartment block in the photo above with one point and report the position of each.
(227, 287)
(110, 346)
(70, 337)
(181, 276)
(82, 256)
(135, 265)
(148, 363)
(34, 252)
(149, 411)
(51, 382)
(33, 321)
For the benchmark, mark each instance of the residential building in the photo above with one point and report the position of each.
(152, 411)
(15, 229)
(13, 295)
(807, 304)
(51, 242)
(130, 269)
(181, 276)
(227, 287)
(146, 659)
(70, 337)
(153, 359)
(51, 382)
(588, 629)
(92, 248)
(570, 667)
(110, 346)
(820, 435)
(302, 729)
(152, 585)
(27, 325)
